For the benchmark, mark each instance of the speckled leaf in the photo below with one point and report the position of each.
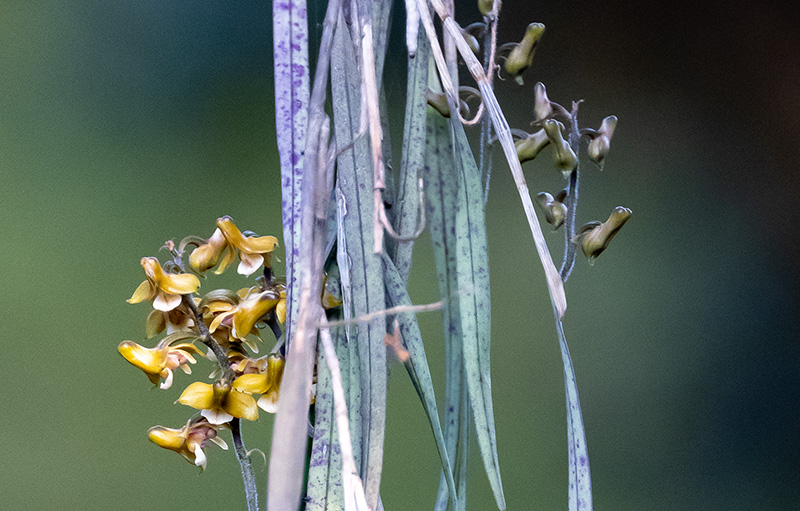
(580, 480)
(292, 89)
(406, 207)
(324, 491)
(474, 304)
(441, 193)
(355, 183)
(417, 365)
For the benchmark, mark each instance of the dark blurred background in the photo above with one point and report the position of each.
(123, 124)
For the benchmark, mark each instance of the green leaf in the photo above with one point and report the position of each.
(474, 304)
(406, 208)
(441, 193)
(324, 491)
(417, 366)
(580, 480)
(355, 183)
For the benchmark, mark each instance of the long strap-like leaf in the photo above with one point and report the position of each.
(474, 302)
(407, 205)
(580, 480)
(441, 194)
(355, 182)
(325, 491)
(292, 89)
(417, 366)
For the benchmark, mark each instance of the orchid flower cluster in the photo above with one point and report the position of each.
(227, 322)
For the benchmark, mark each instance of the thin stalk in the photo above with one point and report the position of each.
(485, 156)
(570, 248)
(208, 340)
(250, 488)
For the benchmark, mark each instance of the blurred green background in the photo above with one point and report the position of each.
(126, 123)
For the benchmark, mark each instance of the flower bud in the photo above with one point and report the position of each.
(530, 146)
(471, 40)
(542, 108)
(555, 212)
(208, 255)
(566, 161)
(521, 57)
(594, 237)
(485, 6)
(598, 147)
(438, 101)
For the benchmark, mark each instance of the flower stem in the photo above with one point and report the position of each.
(250, 489)
(570, 248)
(208, 340)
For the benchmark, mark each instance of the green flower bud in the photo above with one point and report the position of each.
(438, 101)
(521, 57)
(598, 147)
(566, 161)
(542, 108)
(528, 147)
(472, 41)
(594, 237)
(555, 212)
(485, 6)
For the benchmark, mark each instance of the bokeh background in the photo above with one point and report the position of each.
(126, 123)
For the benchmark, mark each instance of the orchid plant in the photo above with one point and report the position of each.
(349, 226)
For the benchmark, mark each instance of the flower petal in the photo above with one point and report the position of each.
(218, 320)
(167, 438)
(269, 402)
(241, 405)
(179, 283)
(252, 383)
(251, 310)
(200, 456)
(156, 323)
(207, 256)
(145, 291)
(250, 263)
(257, 245)
(251, 343)
(280, 311)
(220, 442)
(166, 302)
(198, 395)
(149, 360)
(168, 381)
(230, 254)
(217, 416)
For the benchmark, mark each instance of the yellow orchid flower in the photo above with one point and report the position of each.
(266, 382)
(160, 361)
(220, 402)
(254, 305)
(253, 251)
(208, 255)
(177, 320)
(165, 289)
(188, 441)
